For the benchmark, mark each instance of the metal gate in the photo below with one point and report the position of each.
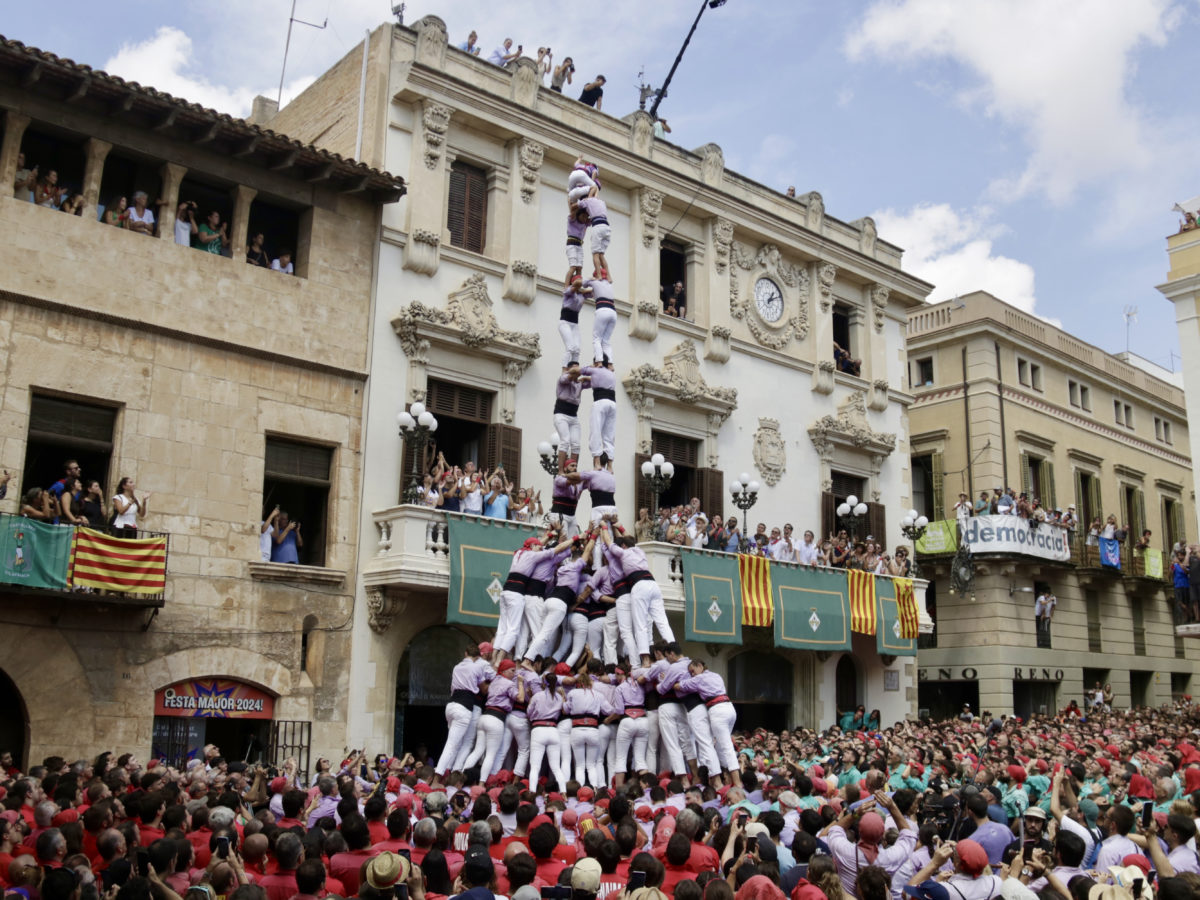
(290, 738)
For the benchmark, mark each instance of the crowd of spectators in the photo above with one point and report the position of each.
(77, 500)
(689, 526)
(559, 76)
(1091, 804)
(207, 233)
(1004, 501)
(467, 489)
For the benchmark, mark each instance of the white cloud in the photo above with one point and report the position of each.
(166, 62)
(1058, 71)
(954, 250)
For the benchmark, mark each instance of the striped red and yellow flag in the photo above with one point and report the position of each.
(906, 609)
(863, 618)
(757, 608)
(131, 565)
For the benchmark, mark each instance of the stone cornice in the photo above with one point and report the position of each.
(424, 83)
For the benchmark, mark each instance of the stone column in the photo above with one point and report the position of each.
(823, 275)
(875, 351)
(172, 178)
(14, 129)
(93, 173)
(645, 206)
(427, 195)
(715, 280)
(239, 225)
(524, 163)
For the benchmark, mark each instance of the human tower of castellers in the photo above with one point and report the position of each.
(571, 671)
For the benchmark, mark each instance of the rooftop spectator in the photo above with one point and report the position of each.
(128, 508)
(139, 219)
(282, 263)
(185, 224)
(114, 213)
(593, 93)
(47, 192)
(211, 235)
(25, 181)
(563, 73)
(256, 255)
(505, 54)
(471, 44)
(544, 63)
(73, 205)
(661, 128)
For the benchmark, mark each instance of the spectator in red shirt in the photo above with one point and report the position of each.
(292, 803)
(424, 834)
(282, 884)
(397, 833)
(542, 842)
(345, 866)
(520, 870)
(150, 810)
(10, 837)
(702, 858)
(51, 848)
(438, 883)
(375, 812)
(200, 835)
(679, 851)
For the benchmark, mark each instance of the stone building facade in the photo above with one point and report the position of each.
(1004, 399)
(469, 286)
(222, 388)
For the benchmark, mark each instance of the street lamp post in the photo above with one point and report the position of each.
(417, 425)
(853, 512)
(913, 526)
(662, 91)
(658, 473)
(548, 453)
(744, 493)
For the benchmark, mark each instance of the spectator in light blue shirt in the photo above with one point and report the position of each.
(470, 45)
(495, 504)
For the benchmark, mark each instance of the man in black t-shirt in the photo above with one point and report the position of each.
(593, 92)
(674, 300)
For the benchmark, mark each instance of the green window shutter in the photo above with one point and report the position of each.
(1048, 492)
(1080, 500)
(1177, 515)
(1026, 474)
(1139, 512)
(939, 483)
(1095, 501)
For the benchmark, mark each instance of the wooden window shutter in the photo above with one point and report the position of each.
(466, 215)
(502, 445)
(1080, 500)
(1095, 500)
(828, 514)
(642, 494)
(1139, 513)
(1026, 474)
(877, 523)
(710, 488)
(1177, 516)
(939, 487)
(1049, 496)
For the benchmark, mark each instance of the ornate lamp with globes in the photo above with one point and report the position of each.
(744, 493)
(913, 526)
(417, 425)
(852, 512)
(658, 473)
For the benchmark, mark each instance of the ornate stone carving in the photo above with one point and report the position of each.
(641, 133)
(769, 261)
(421, 252)
(525, 81)
(879, 395)
(826, 275)
(722, 239)
(849, 429)
(716, 344)
(814, 205)
(867, 233)
(879, 302)
(650, 202)
(469, 313)
(435, 121)
(823, 377)
(432, 38)
(520, 281)
(770, 452)
(680, 379)
(531, 154)
(382, 607)
(643, 324)
(712, 164)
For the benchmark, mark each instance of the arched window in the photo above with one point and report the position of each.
(423, 687)
(14, 721)
(847, 683)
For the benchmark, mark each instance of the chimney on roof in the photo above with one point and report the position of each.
(263, 110)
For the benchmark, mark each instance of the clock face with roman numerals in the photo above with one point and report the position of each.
(768, 300)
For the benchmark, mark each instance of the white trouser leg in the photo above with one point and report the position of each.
(563, 647)
(602, 428)
(603, 323)
(522, 638)
(721, 720)
(631, 735)
(553, 613)
(658, 614)
(706, 754)
(506, 746)
(626, 621)
(610, 636)
(469, 742)
(569, 432)
(518, 727)
(652, 740)
(606, 741)
(535, 612)
(671, 721)
(458, 720)
(642, 595)
(508, 629)
(491, 730)
(568, 524)
(569, 332)
(585, 744)
(577, 626)
(543, 743)
(595, 635)
(564, 753)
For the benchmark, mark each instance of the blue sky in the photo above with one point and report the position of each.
(1032, 148)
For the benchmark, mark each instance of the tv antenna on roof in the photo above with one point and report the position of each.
(287, 46)
(1130, 314)
(645, 91)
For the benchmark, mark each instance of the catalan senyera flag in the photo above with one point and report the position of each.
(863, 614)
(906, 607)
(132, 565)
(755, 572)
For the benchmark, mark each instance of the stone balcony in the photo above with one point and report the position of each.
(413, 556)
